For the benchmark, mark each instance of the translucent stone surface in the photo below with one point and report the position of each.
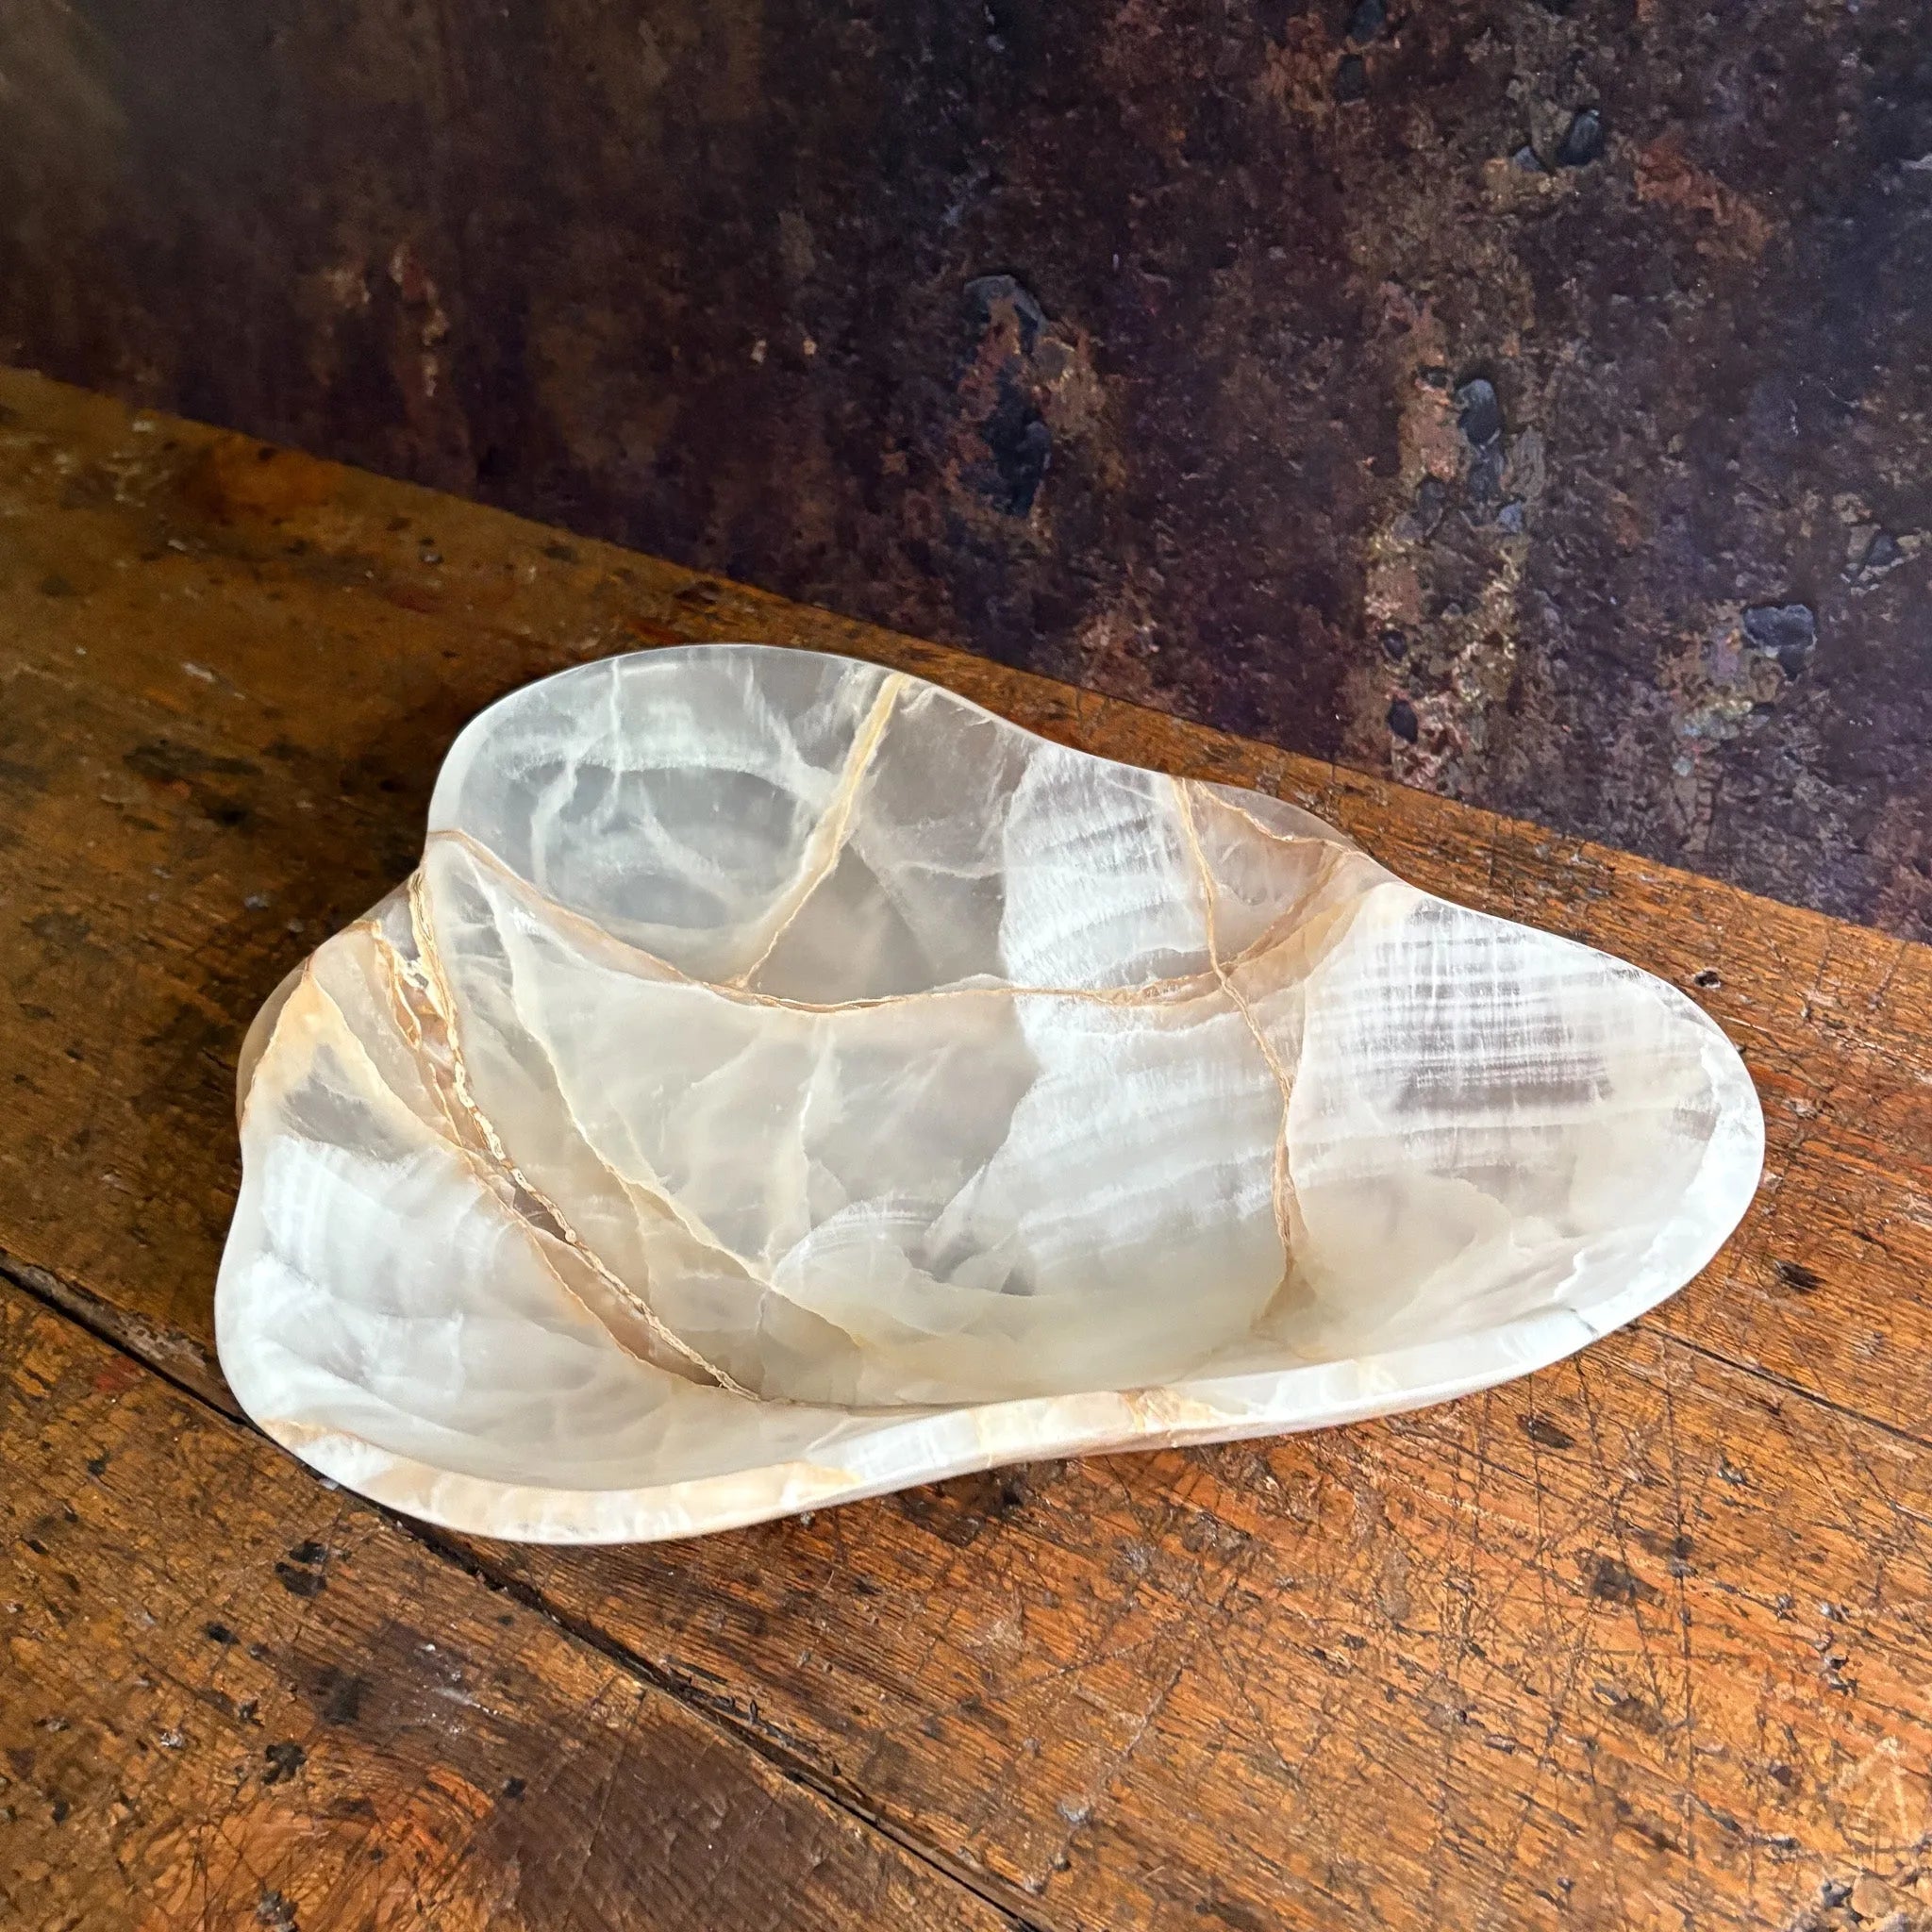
(783, 1080)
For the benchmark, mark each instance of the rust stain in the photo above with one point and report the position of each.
(1667, 177)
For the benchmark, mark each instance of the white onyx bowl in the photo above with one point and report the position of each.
(784, 1081)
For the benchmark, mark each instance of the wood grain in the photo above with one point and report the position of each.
(1641, 1641)
(237, 1699)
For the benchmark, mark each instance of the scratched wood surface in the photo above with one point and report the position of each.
(233, 1698)
(1642, 1640)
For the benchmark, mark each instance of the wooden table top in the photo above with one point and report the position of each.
(1640, 1641)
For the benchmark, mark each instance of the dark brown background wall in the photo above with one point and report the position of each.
(1529, 398)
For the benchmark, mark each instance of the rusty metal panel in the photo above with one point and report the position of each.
(1526, 398)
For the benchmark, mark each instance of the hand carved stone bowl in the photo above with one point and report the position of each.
(783, 1081)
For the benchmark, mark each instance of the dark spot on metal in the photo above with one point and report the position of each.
(561, 553)
(1272, 16)
(1525, 161)
(1796, 1276)
(97, 1465)
(54, 585)
(1351, 78)
(1366, 19)
(304, 1583)
(1583, 141)
(1709, 978)
(1788, 632)
(1479, 413)
(1021, 446)
(1431, 503)
(986, 296)
(1402, 720)
(220, 1633)
(61, 1808)
(514, 1788)
(284, 1761)
(1394, 646)
(1423, 517)
(1881, 554)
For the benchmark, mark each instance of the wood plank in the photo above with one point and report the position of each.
(1643, 1638)
(1633, 1642)
(235, 1699)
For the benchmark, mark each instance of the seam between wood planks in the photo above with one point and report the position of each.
(1785, 1385)
(200, 1384)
